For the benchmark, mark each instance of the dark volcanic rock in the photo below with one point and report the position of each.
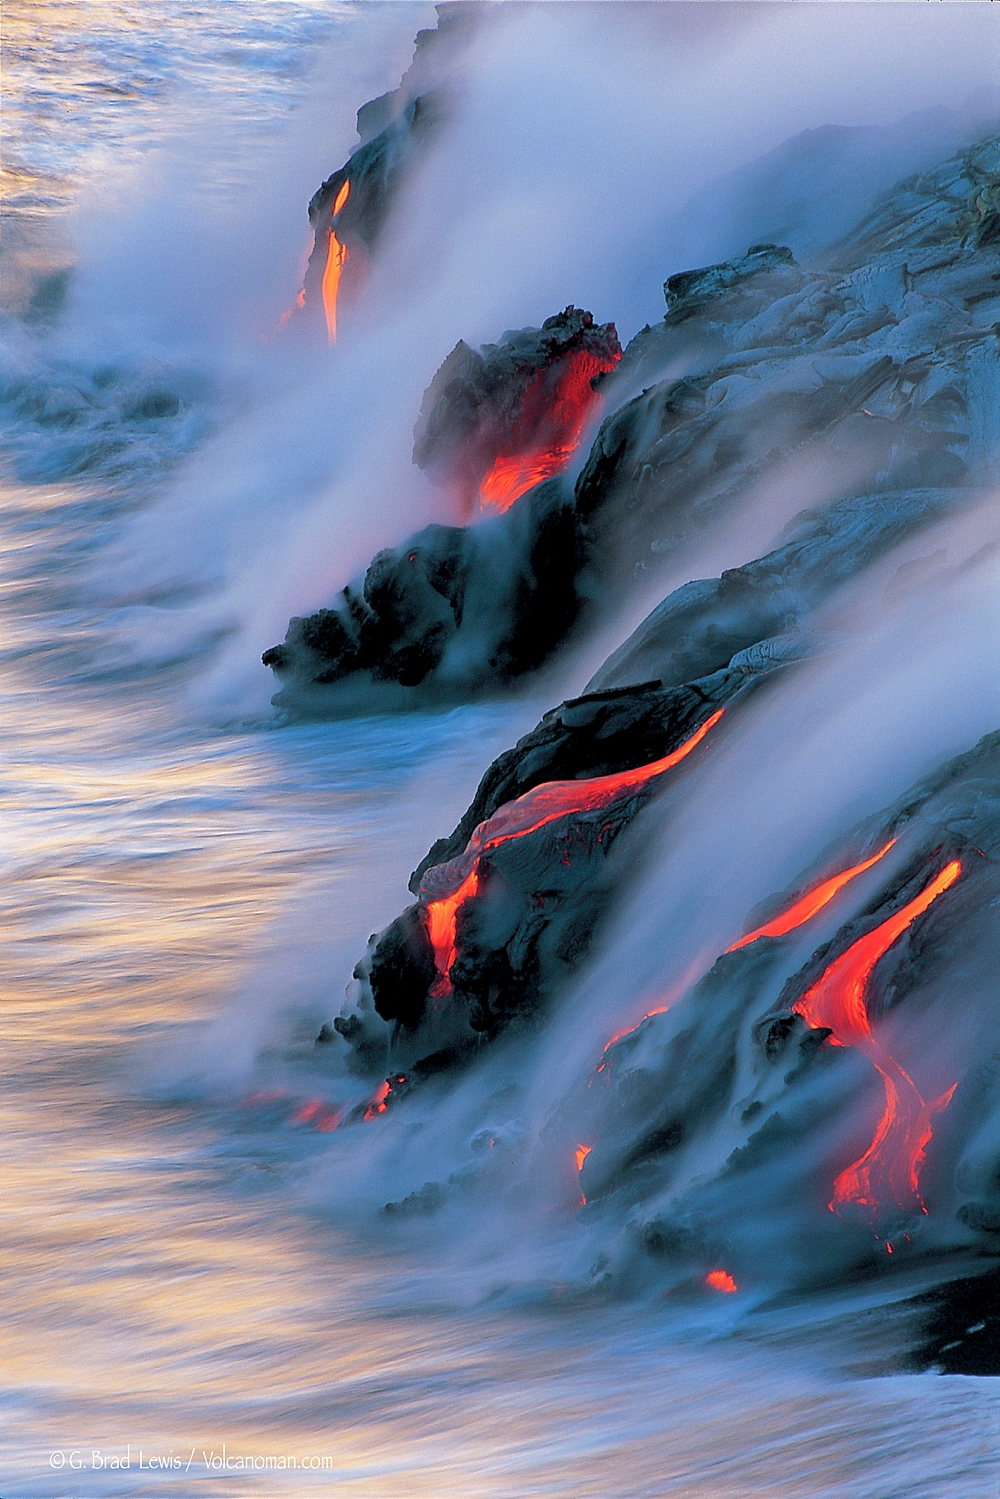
(657, 678)
(961, 1333)
(396, 131)
(530, 885)
(541, 897)
(464, 610)
(495, 422)
(453, 612)
(690, 292)
(724, 1094)
(700, 626)
(888, 359)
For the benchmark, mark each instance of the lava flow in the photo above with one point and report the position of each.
(886, 1176)
(809, 904)
(336, 259)
(580, 1154)
(552, 418)
(721, 1280)
(377, 1103)
(452, 883)
(319, 1115)
(442, 917)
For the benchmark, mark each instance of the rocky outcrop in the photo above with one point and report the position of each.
(458, 611)
(883, 365)
(698, 627)
(496, 422)
(701, 629)
(453, 613)
(890, 357)
(349, 212)
(539, 896)
(499, 927)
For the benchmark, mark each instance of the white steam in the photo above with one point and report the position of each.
(578, 167)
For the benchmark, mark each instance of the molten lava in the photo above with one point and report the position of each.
(549, 801)
(336, 259)
(377, 1103)
(631, 1030)
(318, 1114)
(809, 904)
(887, 1174)
(297, 306)
(721, 1280)
(555, 408)
(580, 1155)
(442, 918)
(449, 885)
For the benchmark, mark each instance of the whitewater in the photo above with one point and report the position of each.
(202, 1293)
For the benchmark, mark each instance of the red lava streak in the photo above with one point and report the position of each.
(809, 904)
(556, 405)
(318, 1114)
(442, 917)
(449, 885)
(886, 1176)
(336, 259)
(721, 1280)
(377, 1105)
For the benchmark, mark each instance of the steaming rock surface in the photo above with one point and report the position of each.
(883, 362)
(542, 896)
(513, 399)
(722, 1096)
(454, 611)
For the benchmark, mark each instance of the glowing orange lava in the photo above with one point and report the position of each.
(887, 1174)
(580, 1155)
(377, 1104)
(721, 1280)
(319, 1114)
(442, 918)
(449, 885)
(554, 410)
(297, 305)
(809, 904)
(546, 803)
(630, 1031)
(336, 259)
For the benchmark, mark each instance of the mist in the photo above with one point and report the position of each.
(626, 159)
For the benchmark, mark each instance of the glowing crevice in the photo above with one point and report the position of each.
(554, 411)
(886, 1176)
(377, 1103)
(336, 259)
(442, 918)
(810, 904)
(446, 887)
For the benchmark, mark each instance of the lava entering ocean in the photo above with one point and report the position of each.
(442, 918)
(886, 1176)
(336, 259)
(556, 406)
(451, 884)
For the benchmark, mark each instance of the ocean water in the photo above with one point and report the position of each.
(201, 1295)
